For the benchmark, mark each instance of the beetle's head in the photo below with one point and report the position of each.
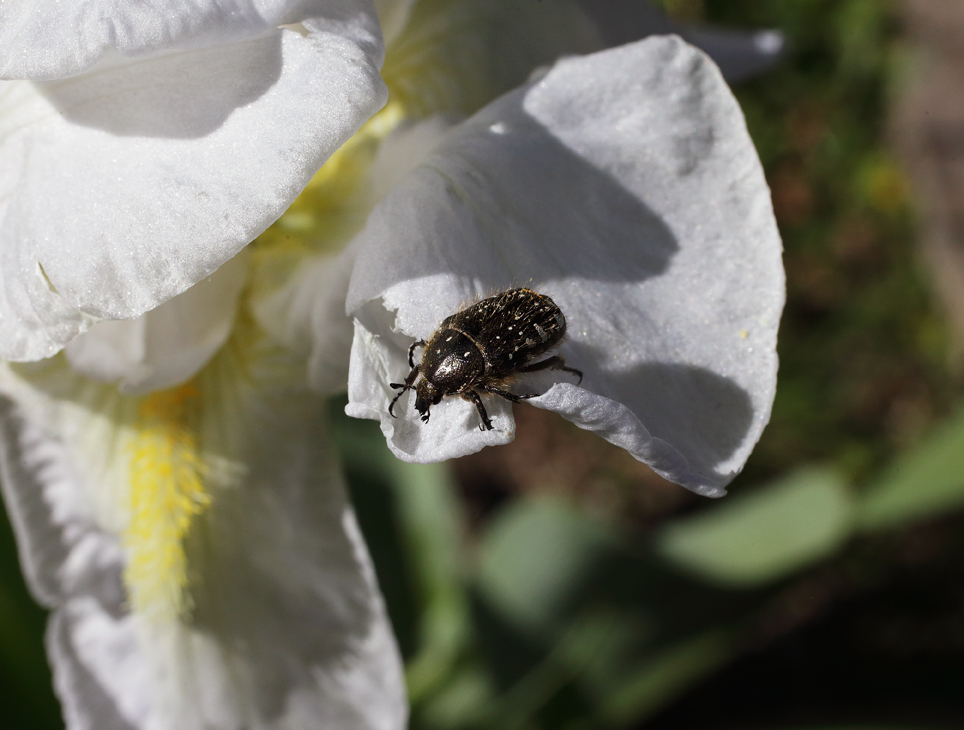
(426, 395)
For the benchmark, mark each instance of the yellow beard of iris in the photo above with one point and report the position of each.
(167, 493)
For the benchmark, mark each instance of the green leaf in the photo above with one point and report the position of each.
(461, 701)
(534, 555)
(765, 535)
(433, 525)
(924, 481)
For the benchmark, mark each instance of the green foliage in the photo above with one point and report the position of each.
(926, 481)
(765, 535)
(533, 557)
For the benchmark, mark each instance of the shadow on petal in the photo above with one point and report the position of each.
(503, 203)
(74, 634)
(547, 210)
(283, 587)
(702, 416)
(180, 95)
(701, 413)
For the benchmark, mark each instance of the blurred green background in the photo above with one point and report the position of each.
(558, 584)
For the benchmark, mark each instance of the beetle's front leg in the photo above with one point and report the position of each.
(411, 352)
(477, 399)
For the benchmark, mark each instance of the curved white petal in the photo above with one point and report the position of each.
(287, 629)
(45, 40)
(624, 185)
(168, 345)
(123, 187)
(63, 551)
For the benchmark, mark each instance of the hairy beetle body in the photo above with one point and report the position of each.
(483, 348)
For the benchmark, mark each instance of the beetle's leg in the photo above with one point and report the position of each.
(407, 385)
(555, 363)
(477, 399)
(411, 352)
(507, 395)
(395, 399)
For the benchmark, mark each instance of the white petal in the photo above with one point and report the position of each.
(288, 630)
(308, 317)
(624, 185)
(62, 549)
(54, 39)
(92, 651)
(169, 344)
(404, 149)
(123, 187)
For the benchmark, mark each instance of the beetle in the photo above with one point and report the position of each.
(483, 349)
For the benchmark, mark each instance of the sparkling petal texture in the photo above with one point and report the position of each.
(286, 629)
(624, 185)
(44, 40)
(122, 187)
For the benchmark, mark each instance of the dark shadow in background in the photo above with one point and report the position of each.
(885, 656)
(26, 685)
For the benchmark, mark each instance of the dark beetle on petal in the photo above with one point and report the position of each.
(484, 348)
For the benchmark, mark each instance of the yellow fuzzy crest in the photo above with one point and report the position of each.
(167, 493)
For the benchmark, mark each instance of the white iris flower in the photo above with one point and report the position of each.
(169, 474)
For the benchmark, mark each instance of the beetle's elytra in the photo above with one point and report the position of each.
(483, 349)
